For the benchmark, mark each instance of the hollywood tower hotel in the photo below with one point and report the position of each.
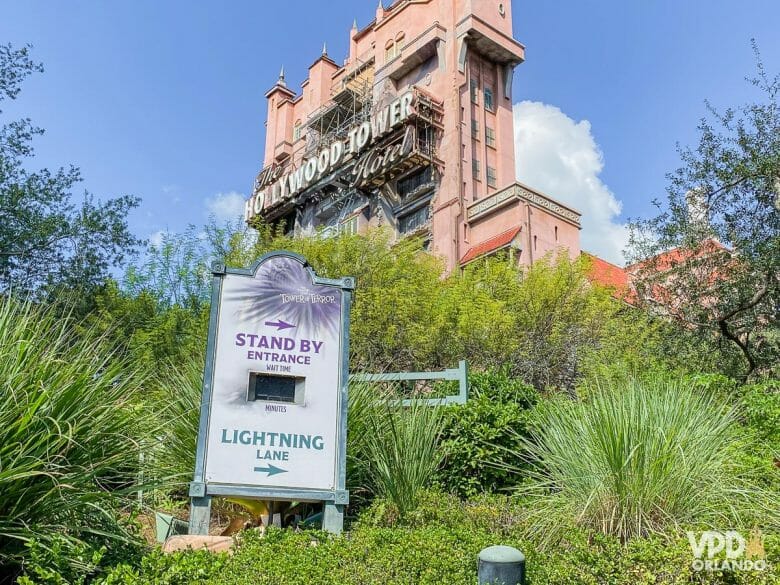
(414, 131)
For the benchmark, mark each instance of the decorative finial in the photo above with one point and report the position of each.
(324, 49)
(381, 6)
(281, 76)
(354, 24)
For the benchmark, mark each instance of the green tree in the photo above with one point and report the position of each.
(396, 317)
(721, 218)
(174, 271)
(548, 323)
(48, 241)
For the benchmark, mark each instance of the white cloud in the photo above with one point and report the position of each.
(559, 157)
(156, 239)
(226, 206)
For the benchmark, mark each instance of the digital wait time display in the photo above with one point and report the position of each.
(271, 388)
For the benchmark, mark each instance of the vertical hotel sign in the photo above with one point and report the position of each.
(273, 410)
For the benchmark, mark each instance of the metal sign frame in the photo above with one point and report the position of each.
(461, 374)
(200, 491)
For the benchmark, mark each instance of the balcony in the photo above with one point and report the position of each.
(282, 151)
(414, 53)
(488, 41)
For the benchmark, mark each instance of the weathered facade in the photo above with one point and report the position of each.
(414, 131)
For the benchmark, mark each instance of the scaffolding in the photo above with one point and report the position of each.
(349, 106)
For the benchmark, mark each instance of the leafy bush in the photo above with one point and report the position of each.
(547, 323)
(760, 409)
(478, 435)
(638, 458)
(70, 434)
(438, 543)
(179, 568)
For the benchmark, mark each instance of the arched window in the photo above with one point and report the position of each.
(390, 51)
(393, 47)
(297, 131)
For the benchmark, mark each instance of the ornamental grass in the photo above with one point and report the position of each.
(638, 457)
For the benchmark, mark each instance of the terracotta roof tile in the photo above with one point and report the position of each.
(676, 256)
(502, 240)
(611, 276)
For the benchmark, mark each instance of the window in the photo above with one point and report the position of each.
(489, 99)
(297, 131)
(491, 177)
(475, 168)
(349, 226)
(393, 47)
(425, 139)
(474, 91)
(490, 137)
(534, 243)
(415, 220)
(474, 129)
(556, 233)
(413, 182)
(390, 51)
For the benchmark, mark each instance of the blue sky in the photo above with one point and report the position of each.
(164, 100)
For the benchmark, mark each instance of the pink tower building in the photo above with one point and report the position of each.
(413, 131)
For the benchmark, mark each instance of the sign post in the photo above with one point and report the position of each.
(273, 415)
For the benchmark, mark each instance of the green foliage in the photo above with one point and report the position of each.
(48, 241)
(60, 562)
(760, 409)
(179, 568)
(175, 271)
(395, 320)
(148, 333)
(438, 543)
(400, 449)
(477, 435)
(638, 457)
(71, 430)
(728, 191)
(178, 395)
(548, 324)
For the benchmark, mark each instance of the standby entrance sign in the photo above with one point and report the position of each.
(273, 411)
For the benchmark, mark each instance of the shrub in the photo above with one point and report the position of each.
(438, 543)
(636, 459)
(547, 323)
(70, 434)
(179, 568)
(478, 435)
(760, 410)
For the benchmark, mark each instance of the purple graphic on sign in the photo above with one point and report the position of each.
(283, 297)
(280, 325)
